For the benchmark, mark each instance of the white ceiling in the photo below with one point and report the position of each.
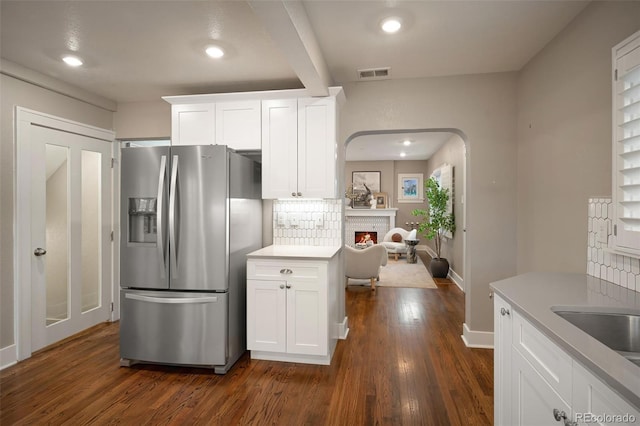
(142, 50)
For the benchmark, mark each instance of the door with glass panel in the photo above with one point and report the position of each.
(70, 234)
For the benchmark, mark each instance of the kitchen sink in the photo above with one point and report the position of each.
(617, 329)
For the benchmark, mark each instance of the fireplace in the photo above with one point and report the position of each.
(361, 237)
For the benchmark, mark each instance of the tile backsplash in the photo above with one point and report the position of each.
(307, 222)
(616, 268)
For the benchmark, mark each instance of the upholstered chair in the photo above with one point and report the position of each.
(393, 241)
(364, 264)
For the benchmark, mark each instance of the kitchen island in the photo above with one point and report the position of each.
(292, 303)
(535, 348)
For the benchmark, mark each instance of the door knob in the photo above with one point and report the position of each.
(39, 252)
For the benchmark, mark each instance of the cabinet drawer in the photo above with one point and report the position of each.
(279, 269)
(551, 362)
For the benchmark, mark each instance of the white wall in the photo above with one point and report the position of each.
(19, 93)
(452, 152)
(564, 136)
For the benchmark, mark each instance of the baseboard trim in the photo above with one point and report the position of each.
(8, 357)
(343, 329)
(457, 279)
(477, 339)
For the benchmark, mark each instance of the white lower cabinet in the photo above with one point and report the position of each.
(533, 401)
(595, 403)
(537, 383)
(288, 308)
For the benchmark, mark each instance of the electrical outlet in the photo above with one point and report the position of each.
(293, 219)
(318, 219)
(282, 219)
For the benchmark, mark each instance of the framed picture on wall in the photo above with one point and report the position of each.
(410, 188)
(370, 179)
(381, 200)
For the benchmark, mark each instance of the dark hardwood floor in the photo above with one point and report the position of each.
(403, 363)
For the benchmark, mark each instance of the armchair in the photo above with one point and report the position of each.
(364, 263)
(396, 248)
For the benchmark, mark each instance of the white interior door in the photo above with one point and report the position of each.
(70, 234)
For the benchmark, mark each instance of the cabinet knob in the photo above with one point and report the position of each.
(293, 194)
(504, 311)
(299, 194)
(490, 295)
(282, 286)
(283, 271)
(288, 285)
(562, 416)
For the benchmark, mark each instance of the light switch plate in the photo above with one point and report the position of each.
(602, 233)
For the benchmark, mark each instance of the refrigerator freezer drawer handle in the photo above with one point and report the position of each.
(160, 218)
(177, 300)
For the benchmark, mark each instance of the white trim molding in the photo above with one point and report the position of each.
(343, 329)
(8, 357)
(477, 339)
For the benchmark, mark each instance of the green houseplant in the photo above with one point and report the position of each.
(435, 223)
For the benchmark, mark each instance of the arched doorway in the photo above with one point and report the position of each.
(399, 151)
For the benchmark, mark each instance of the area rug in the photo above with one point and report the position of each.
(399, 273)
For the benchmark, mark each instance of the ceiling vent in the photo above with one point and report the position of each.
(374, 73)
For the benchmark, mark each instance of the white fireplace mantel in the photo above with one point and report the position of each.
(390, 213)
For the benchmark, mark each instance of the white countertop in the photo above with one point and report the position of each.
(295, 252)
(533, 295)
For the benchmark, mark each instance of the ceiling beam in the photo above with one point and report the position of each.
(288, 25)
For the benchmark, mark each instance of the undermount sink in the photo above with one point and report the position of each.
(617, 329)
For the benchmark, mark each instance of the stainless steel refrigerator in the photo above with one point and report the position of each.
(190, 214)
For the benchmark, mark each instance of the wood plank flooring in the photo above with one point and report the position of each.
(403, 363)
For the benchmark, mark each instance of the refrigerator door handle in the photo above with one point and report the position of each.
(159, 218)
(173, 213)
(177, 300)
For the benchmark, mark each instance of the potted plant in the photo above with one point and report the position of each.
(435, 223)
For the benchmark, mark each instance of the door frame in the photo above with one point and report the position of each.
(25, 118)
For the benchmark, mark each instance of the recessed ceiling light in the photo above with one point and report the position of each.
(72, 61)
(391, 25)
(407, 142)
(215, 51)
(403, 154)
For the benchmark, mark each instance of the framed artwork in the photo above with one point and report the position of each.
(381, 200)
(410, 188)
(370, 179)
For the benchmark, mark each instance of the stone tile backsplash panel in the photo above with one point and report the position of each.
(601, 263)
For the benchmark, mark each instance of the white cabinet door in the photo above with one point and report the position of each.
(266, 315)
(238, 124)
(595, 403)
(279, 148)
(193, 124)
(502, 324)
(533, 400)
(307, 322)
(317, 147)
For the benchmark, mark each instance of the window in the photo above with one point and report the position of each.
(626, 140)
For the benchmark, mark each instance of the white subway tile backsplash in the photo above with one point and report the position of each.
(616, 268)
(306, 232)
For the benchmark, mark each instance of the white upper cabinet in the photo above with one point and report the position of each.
(297, 135)
(238, 124)
(193, 124)
(317, 147)
(279, 148)
(209, 120)
(626, 145)
(299, 148)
